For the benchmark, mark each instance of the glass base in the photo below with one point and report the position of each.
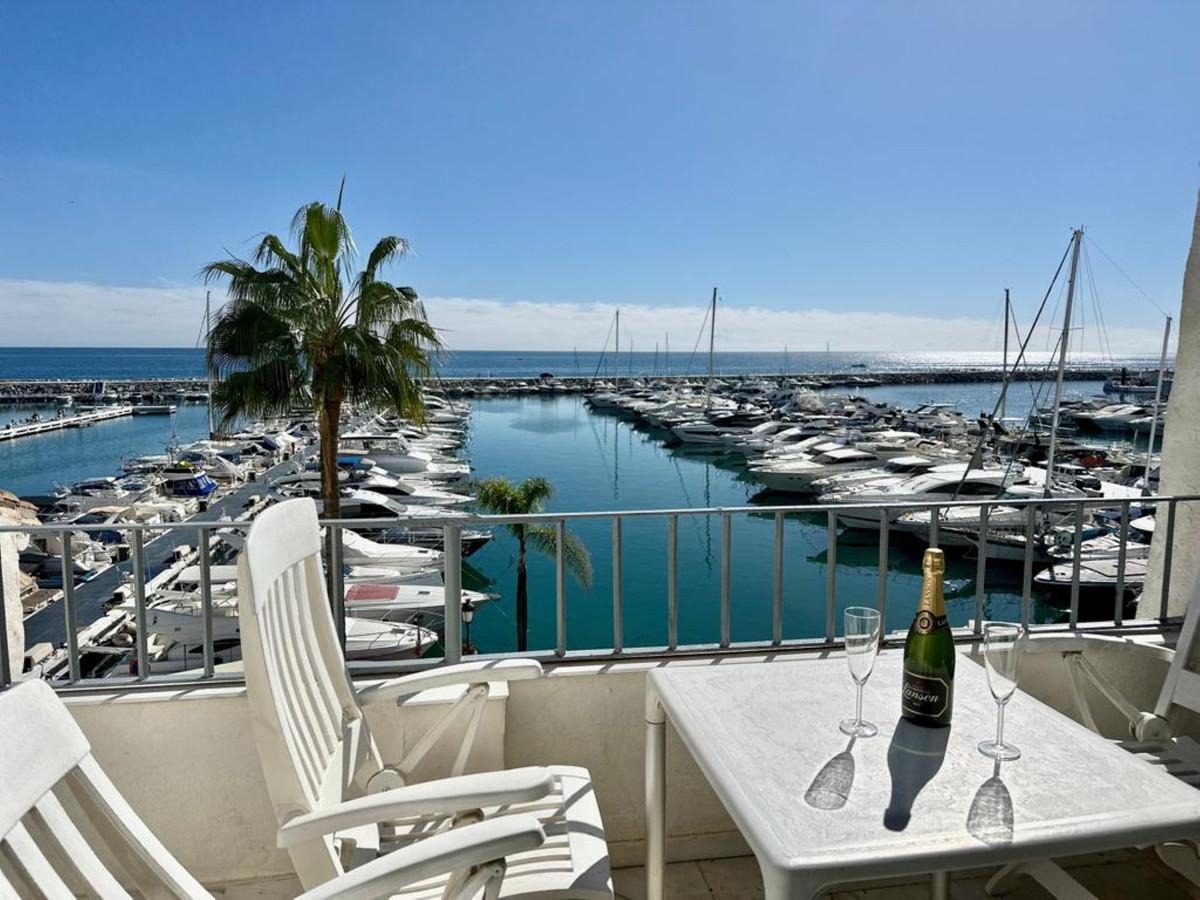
(995, 750)
(858, 729)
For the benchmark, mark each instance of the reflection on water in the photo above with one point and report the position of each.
(601, 462)
(830, 789)
(990, 818)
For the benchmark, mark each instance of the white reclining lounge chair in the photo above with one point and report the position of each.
(1152, 738)
(337, 804)
(48, 847)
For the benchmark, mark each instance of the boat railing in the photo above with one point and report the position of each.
(199, 536)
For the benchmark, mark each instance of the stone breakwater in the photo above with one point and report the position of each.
(158, 390)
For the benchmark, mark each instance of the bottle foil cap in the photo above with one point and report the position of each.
(934, 562)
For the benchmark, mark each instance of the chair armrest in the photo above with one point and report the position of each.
(458, 848)
(442, 796)
(463, 673)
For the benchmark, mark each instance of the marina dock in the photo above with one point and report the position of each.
(13, 431)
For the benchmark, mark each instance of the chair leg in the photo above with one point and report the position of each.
(1044, 872)
(1183, 857)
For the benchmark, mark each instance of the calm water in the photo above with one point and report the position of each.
(183, 362)
(604, 463)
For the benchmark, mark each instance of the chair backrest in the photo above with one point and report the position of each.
(1182, 685)
(312, 740)
(48, 847)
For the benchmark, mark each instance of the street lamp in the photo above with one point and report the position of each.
(468, 616)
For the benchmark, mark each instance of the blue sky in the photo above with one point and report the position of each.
(550, 160)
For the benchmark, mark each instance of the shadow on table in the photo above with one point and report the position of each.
(914, 757)
(990, 818)
(830, 789)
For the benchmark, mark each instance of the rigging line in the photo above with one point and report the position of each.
(699, 335)
(983, 434)
(1136, 286)
(1103, 326)
(604, 349)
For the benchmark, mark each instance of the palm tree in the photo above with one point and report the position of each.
(502, 497)
(302, 328)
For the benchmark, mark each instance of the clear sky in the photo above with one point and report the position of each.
(550, 160)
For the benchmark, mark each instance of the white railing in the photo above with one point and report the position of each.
(158, 552)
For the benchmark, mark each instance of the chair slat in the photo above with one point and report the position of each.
(291, 721)
(78, 851)
(37, 868)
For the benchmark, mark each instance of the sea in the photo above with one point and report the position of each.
(594, 462)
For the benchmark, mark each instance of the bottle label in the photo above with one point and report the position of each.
(925, 696)
(926, 622)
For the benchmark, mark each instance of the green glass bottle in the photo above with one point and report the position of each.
(927, 697)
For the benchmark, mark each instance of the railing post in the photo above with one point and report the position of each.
(885, 528)
(777, 601)
(981, 568)
(5, 663)
(137, 556)
(672, 582)
(69, 612)
(726, 564)
(935, 525)
(1166, 569)
(337, 583)
(1076, 557)
(1122, 555)
(1027, 575)
(452, 613)
(618, 600)
(831, 579)
(560, 588)
(206, 602)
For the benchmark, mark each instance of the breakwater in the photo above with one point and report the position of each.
(157, 390)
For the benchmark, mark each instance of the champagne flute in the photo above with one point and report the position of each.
(1003, 647)
(862, 646)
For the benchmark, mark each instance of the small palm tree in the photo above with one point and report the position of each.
(303, 329)
(502, 497)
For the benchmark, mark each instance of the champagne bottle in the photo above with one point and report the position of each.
(927, 697)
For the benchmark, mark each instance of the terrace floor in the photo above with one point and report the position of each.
(1122, 875)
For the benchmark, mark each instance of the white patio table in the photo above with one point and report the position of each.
(818, 809)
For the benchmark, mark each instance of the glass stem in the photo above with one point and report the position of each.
(999, 723)
(858, 705)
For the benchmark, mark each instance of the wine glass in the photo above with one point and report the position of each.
(862, 646)
(1003, 647)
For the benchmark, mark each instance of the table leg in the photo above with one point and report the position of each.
(656, 797)
(939, 886)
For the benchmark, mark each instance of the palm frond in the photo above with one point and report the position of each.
(575, 554)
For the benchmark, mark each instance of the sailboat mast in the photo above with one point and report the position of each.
(667, 355)
(1062, 355)
(207, 334)
(1162, 367)
(1004, 364)
(712, 337)
(617, 354)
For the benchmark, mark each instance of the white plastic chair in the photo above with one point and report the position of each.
(336, 802)
(66, 831)
(1152, 738)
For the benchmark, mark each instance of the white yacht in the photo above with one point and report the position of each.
(948, 482)
(797, 476)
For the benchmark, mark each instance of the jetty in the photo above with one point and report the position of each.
(14, 430)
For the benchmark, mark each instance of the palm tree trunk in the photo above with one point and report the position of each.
(329, 426)
(522, 597)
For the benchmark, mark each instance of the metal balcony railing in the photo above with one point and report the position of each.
(199, 536)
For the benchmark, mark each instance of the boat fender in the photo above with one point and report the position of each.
(1150, 727)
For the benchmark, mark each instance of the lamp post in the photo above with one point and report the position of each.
(468, 616)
